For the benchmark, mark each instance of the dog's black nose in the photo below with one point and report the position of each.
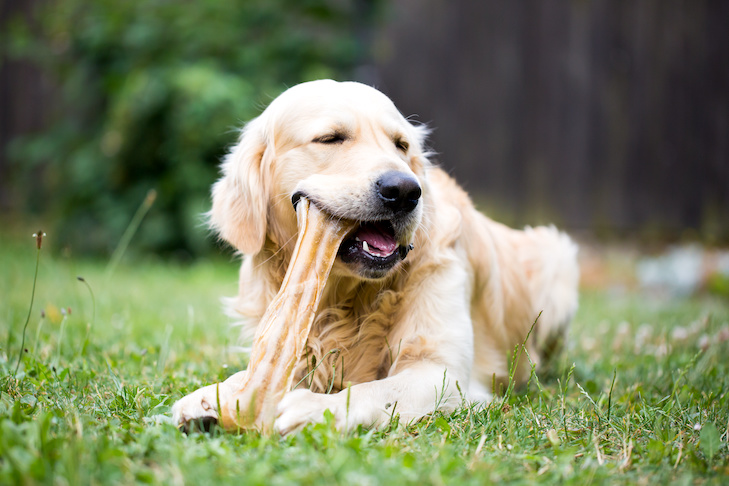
(399, 191)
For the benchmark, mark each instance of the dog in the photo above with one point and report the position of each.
(428, 302)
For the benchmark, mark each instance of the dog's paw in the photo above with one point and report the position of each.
(198, 410)
(301, 407)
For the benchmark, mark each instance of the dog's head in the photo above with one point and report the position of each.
(346, 148)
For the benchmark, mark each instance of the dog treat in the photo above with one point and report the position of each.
(281, 336)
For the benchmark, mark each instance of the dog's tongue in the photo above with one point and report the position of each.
(377, 236)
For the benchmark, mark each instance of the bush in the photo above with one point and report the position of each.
(150, 95)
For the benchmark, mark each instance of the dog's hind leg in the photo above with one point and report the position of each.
(550, 261)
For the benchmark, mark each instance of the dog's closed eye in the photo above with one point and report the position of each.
(402, 145)
(331, 138)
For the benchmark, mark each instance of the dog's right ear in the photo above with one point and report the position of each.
(240, 197)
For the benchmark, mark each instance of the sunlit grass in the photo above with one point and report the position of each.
(640, 396)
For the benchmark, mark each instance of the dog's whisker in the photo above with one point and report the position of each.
(281, 197)
(423, 231)
(274, 254)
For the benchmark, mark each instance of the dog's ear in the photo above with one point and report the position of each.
(240, 197)
(421, 132)
(421, 158)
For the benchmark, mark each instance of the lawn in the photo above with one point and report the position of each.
(640, 396)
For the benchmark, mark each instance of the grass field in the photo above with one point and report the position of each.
(641, 395)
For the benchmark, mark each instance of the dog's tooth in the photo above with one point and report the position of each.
(356, 238)
(366, 246)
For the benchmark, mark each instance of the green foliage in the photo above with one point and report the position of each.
(710, 440)
(150, 95)
(639, 397)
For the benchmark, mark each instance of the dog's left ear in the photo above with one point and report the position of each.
(420, 134)
(240, 197)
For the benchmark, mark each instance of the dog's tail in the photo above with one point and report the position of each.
(550, 259)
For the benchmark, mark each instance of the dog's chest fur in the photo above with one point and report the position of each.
(348, 342)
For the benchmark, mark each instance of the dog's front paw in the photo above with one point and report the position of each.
(300, 407)
(198, 410)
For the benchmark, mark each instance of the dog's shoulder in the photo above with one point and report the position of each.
(446, 191)
(448, 208)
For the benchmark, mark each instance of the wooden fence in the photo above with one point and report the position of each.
(597, 114)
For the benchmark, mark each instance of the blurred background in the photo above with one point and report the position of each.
(608, 118)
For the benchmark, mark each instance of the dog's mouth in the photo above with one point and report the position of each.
(373, 247)
(374, 239)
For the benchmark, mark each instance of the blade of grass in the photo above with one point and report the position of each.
(93, 314)
(38, 243)
(129, 233)
(610, 395)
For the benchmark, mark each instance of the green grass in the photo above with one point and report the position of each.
(641, 395)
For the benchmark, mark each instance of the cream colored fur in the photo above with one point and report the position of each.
(446, 318)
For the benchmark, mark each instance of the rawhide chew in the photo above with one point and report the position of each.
(282, 333)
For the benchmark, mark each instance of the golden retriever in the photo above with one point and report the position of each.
(428, 298)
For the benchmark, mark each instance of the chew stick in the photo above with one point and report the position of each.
(284, 328)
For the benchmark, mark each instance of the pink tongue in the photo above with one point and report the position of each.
(377, 238)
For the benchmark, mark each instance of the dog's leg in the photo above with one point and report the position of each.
(200, 408)
(411, 394)
(549, 258)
